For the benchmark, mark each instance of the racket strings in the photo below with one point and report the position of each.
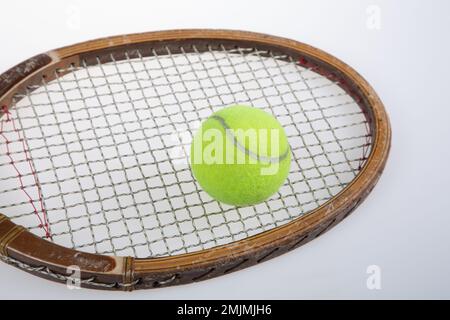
(110, 144)
(38, 209)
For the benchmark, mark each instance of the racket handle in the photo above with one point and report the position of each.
(9, 231)
(27, 251)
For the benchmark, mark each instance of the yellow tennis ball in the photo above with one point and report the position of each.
(240, 155)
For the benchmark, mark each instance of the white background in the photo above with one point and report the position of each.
(403, 227)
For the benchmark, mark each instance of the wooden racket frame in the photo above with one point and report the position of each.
(23, 249)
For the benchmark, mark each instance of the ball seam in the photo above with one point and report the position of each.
(242, 148)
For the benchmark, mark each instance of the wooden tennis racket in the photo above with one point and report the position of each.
(94, 144)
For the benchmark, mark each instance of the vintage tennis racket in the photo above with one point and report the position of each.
(94, 144)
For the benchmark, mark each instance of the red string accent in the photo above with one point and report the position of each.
(43, 221)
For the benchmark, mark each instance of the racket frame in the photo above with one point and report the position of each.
(27, 251)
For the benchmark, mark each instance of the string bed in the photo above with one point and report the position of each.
(98, 159)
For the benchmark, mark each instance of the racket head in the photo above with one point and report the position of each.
(28, 251)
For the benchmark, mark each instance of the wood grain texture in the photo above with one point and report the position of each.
(22, 70)
(129, 273)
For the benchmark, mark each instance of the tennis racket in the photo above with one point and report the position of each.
(94, 145)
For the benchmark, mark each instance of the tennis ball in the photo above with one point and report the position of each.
(240, 155)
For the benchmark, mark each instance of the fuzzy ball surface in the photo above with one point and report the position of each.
(240, 155)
